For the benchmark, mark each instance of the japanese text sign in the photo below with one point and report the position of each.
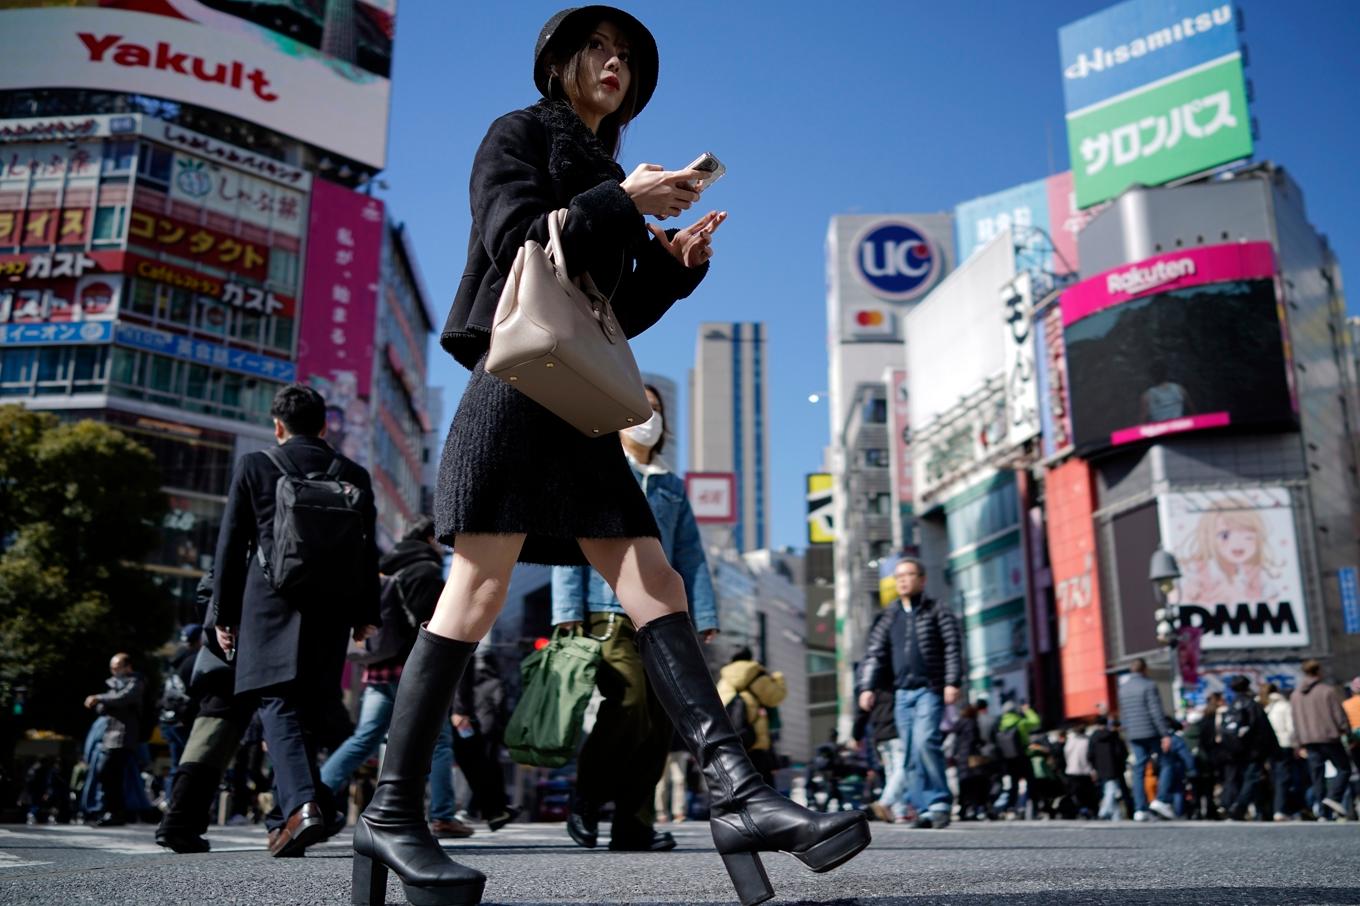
(199, 243)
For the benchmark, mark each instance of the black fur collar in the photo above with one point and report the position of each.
(576, 158)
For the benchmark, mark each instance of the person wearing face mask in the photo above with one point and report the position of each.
(625, 754)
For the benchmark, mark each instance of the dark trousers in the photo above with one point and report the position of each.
(111, 775)
(482, 772)
(1319, 753)
(1281, 778)
(290, 717)
(624, 756)
(1241, 782)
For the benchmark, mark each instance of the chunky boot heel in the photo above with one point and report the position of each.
(748, 877)
(370, 882)
(392, 834)
(839, 849)
(745, 815)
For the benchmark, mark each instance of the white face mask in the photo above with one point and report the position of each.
(647, 434)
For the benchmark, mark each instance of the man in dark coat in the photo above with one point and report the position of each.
(920, 653)
(122, 705)
(289, 648)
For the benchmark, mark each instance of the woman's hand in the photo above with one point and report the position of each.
(661, 192)
(693, 245)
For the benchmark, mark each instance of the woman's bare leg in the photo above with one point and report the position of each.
(636, 568)
(475, 592)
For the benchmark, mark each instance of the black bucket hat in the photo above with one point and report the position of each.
(572, 23)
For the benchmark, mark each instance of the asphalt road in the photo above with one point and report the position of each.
(1015, 864)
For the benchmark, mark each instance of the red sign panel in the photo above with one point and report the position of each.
(199, 243)
(237, 295)
(713, 496)
(1072, 554)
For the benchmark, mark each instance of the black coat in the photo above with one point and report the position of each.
(1108, 754)
(938, 635)
(535, 161)
(280, 639)
(416, 579)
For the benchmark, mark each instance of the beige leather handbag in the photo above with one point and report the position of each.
(559, 344)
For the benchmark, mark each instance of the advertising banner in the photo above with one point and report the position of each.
(1066, 220)
(50, 265)
(1216, 676)
(1071, 498)
(1194, 123)
(237, 295)
(340, 298)
(203, 353)
(896, 260)
(1239, 558)
(1194, 337)
(899, 449)
(214, 248)
(64, 334)
(1022, 388)
(223, 190)
(1348, 577)
(820, 511)
(981, 220)
(712, 496)
(91, 298)
(245, 70)
(1055, 418)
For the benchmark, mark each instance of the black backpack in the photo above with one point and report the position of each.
(319, 532)
(1008, 742)
(1235, 733)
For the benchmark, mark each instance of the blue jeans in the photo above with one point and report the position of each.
(375, 716)
(1109, 802)
(918, 713)
(1144, 750)
(894, 756)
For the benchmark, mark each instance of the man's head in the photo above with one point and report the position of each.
(981, 705)
(910, 575)
(120, 664)
(1138, 666)
(1311, 667)
(1240, 685)
(421, 529)
(192, 635)
(298, 411)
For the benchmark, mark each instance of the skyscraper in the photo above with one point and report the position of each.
(728, 422)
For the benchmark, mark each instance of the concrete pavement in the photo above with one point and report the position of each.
(1015, 864)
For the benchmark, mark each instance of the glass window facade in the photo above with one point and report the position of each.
(135, 374)
(53, 370)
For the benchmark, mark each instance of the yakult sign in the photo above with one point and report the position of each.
(896, 260)
(251, 72)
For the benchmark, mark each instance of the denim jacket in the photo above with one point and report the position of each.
(576, 589)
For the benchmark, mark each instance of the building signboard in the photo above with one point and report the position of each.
(1154, 92)
(1022, 387)
(899, 452)
(246, 71)
(68, 333)
(820, 512)
(54, 265)
(228, 292)
(961, 443)
(195, 242)
(896, 260)
(1349, 582)
(203, 352)
(1055, 418)
(1070, 501)
(712, 496)
(1239, 557)
(340, 296)
(93, 297)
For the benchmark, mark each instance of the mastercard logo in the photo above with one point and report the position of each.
(870, 318)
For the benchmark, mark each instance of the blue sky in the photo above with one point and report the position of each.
(823, 109)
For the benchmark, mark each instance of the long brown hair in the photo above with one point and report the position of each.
(566, 69)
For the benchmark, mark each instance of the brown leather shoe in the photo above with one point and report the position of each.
(451, 829)
(305, 826)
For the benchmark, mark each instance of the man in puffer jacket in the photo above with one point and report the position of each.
(1319, 726)
(1146, 729)
(747, 690)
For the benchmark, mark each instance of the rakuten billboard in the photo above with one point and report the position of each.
(1179, 342)
(243, 70)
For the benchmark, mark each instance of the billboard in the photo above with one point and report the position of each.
(1239, 557)
(93, 297)
(1179, 342)
(193, 54)
(1154, 91)
(1050, 365)
(340, 298)
(1022, 388)
(878, 265)
(820, 511)
(1071, 502)
(1048, 205)
(712, 496)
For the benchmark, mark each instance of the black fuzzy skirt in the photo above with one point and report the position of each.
(510, 466)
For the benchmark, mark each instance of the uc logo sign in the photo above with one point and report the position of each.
(895, 260)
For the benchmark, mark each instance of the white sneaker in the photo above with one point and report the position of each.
(1335, 807)
(1163, 810)
(1141, 816)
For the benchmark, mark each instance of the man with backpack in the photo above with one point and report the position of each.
(176, 705)
(1248, 740)
(413, 577)
(296, 575)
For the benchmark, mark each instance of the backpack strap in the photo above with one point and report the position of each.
(277, 457)
(333, 472)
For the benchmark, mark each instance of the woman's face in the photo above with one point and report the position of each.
(1235, 544)
(604, 74)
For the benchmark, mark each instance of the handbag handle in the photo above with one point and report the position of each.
(600, 305)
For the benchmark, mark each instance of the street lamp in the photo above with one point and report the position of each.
(1163, 573)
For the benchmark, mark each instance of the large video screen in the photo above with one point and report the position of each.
(1205, 356)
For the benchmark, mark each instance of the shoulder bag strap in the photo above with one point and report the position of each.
(558, 219)
(278, 458)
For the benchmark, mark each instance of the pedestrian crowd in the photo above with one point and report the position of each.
(931, 757)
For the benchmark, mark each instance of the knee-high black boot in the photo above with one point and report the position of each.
(186, 819)
(392, 833)
(747, 816)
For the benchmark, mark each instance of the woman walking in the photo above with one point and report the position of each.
(518, 484)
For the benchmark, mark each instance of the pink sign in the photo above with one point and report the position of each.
(340, 295)
(712, 496)
(1165, 273)
(1171, 426)
(1066, 221)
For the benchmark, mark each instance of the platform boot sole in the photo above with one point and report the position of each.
(370, 888)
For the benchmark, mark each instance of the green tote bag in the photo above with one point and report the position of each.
(557, 684)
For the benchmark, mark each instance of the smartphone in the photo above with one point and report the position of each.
(709, 163)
